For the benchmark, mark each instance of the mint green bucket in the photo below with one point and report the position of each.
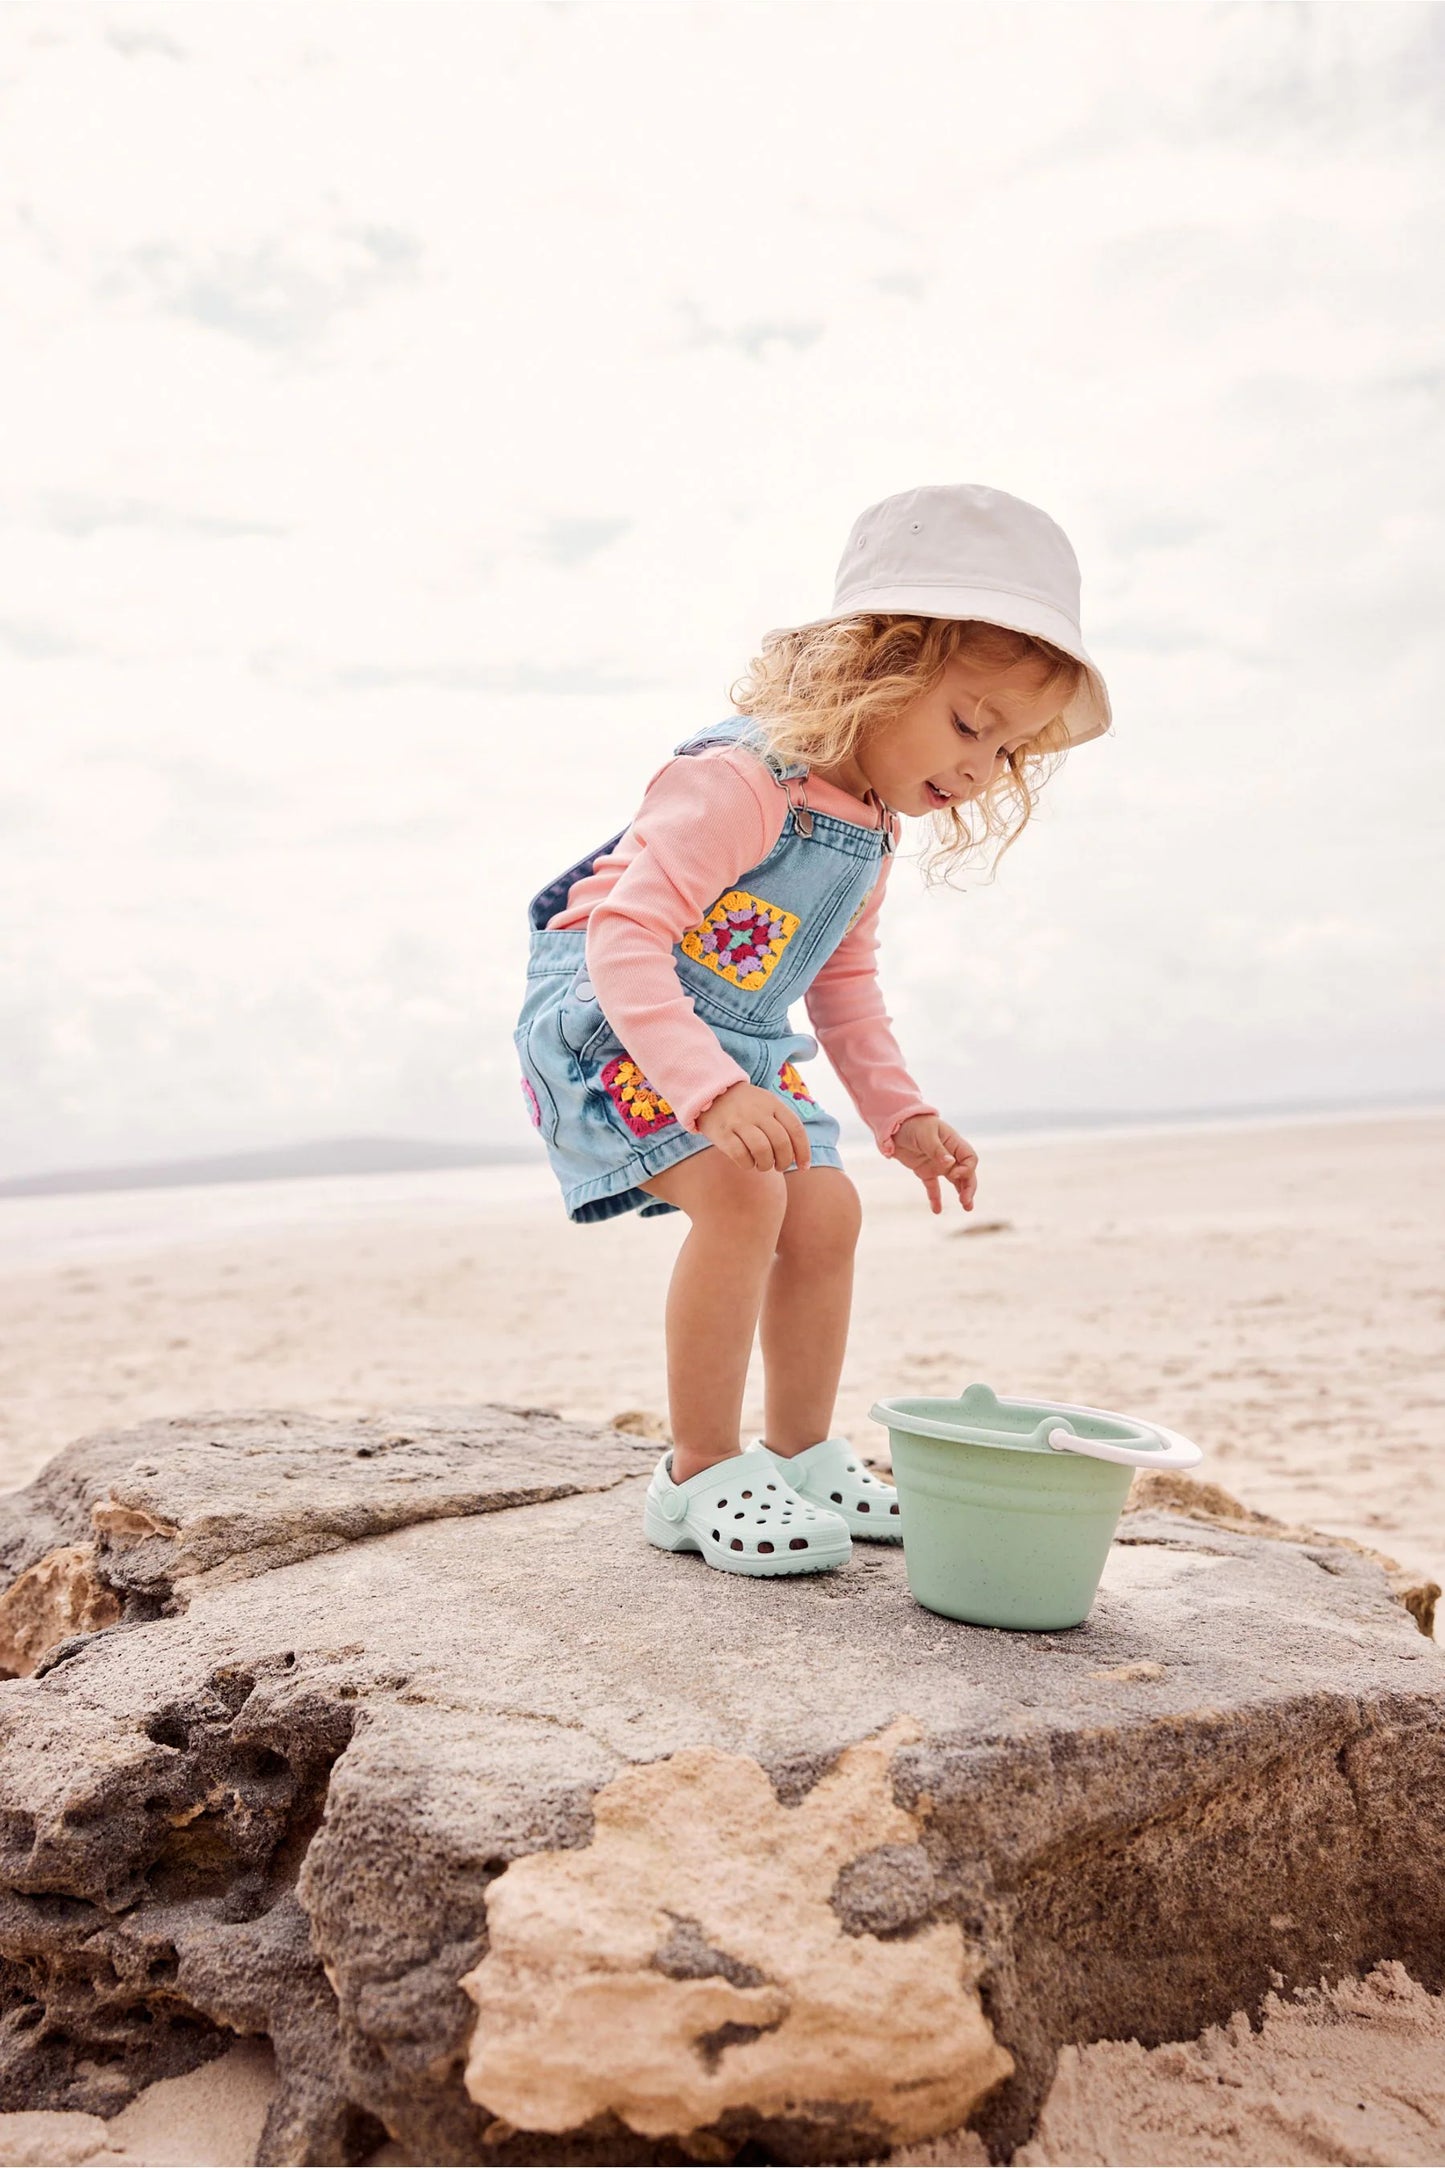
(1008, 1507)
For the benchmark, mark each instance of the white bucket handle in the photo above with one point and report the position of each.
(1178, 1451)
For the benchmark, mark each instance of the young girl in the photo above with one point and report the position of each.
(658, 1056)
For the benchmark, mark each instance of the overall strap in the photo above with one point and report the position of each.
(742, 730)
(791, 776)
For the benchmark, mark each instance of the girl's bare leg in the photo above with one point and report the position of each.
(714, 1298)
(806, 1306)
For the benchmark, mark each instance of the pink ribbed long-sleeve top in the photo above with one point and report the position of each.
(705, 819)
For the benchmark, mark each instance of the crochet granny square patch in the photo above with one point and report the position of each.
(640, 1104)
(790, 1082)
(741, 938)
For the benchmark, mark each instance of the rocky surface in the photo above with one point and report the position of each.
(1208, 1503)
(394, 1742)
(131, 1523)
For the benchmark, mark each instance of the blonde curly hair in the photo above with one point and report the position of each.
(817, 691)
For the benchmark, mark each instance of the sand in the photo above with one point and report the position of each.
(211, 2118)
(1353, 2073)
(1275, 1291)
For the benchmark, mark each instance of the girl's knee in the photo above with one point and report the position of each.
(824, 1215)
(754, 1200)
(712, 1190)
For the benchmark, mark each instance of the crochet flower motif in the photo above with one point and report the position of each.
(790, 1082)
(640, 1104)
(532, 1107)
(741, 937)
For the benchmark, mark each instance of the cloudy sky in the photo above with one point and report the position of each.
(417, 411)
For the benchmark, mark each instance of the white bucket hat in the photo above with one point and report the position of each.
(960, 549)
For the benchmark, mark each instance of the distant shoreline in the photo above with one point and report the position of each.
(285, 1163)
(1304, 1114)
(353, 1156)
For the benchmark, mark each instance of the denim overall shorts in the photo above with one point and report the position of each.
(746, 961)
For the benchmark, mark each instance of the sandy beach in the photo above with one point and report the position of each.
(1273, 1290)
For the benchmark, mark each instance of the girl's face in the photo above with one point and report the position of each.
(941, 748)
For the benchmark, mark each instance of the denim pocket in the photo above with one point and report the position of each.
(580, 1020)
(536, 1091)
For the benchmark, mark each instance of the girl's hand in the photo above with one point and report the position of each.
(933, 1150)
(755, 1129)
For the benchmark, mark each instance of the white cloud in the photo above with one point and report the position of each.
(427, 408)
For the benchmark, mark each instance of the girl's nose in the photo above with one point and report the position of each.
(973, 772)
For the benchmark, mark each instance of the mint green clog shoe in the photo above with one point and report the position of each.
(830, 1474)
(745, 1517)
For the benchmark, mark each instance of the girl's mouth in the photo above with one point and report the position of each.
(937, 796)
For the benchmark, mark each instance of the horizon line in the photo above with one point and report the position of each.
(362, 1155)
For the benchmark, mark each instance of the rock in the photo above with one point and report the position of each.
(775, 1983)
(60, 1594)
(643, 1423)
(1132, 1673)
(522, 1841)
(214, 2114)
(1208, 1503)
(156, 1511)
